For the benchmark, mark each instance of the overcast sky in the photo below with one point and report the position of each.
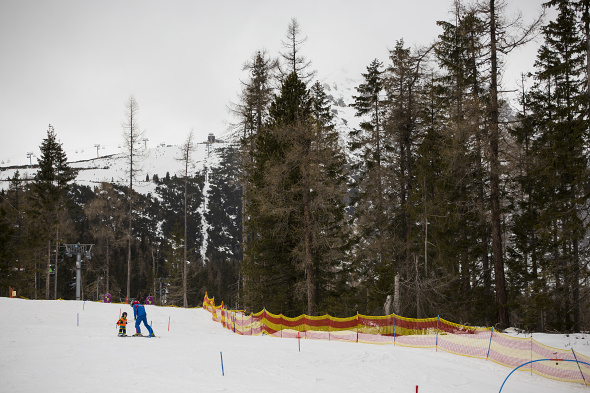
(74, 63)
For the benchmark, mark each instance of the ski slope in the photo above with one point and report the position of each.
(72, 346)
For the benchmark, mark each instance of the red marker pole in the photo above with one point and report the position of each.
(416, 388)
(168, 323)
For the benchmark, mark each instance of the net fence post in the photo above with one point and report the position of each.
(490, 344)
(436, 343)
(579, 368)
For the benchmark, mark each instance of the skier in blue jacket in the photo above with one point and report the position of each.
(140, 315)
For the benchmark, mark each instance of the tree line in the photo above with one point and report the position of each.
(143, 244)
(448, 199)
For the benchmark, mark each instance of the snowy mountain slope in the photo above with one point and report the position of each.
(71, 346)
(114, 168)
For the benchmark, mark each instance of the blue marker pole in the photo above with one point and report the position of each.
(222, 373)
(83, 304)
(77, 319)
(490, 344)
(436, 343)
(581, 373)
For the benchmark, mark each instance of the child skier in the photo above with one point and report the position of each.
(140, 315)
(122, 323)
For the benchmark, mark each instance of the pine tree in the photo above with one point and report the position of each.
(297, 197)
(272, 271)
(224, 232)
(252, 113)
(558, 125)
(328, 230)
(403, 85)
(369, 176)
(52, 182)
(461, 221)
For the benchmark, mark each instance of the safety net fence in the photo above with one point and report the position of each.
(477, 342)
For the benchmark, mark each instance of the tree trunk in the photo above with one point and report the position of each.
(501, 298)
(185, 270)
(396, 296)
(48, 277)
(129, 230)
(153, 274)
(576, 288)
(586, 19)
(55, 267)
(309, 265)
(107, 272)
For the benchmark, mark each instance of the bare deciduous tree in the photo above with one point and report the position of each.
(186, 150)
(132, 136)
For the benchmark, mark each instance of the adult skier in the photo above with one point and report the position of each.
(140, 315)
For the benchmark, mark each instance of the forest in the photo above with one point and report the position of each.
(451, 198)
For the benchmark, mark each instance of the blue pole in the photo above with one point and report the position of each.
(490, 344)
(579, 368)
(77, 319)
(436, 345)
(222, 373)
(83, 304)
(540, 360)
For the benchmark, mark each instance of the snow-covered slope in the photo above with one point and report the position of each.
(115, 167)
(72, 346)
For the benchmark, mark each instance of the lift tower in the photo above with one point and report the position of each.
(79, 250)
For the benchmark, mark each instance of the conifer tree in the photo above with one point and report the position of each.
(297, 197)
(558, 122)
(252, 113)
(464, 182)
(369, 200)
(329, 233)
(52, 182)
(403, 85)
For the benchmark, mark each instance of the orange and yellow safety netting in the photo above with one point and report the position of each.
(478, 342)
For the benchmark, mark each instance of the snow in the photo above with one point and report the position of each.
(115, 167)
(72, 346)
